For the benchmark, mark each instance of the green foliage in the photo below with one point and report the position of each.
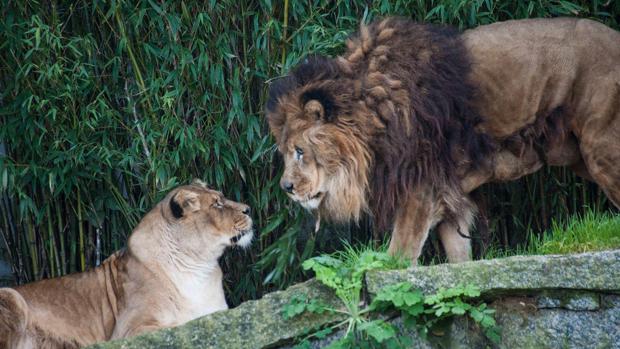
(105, 106)
(366, 325)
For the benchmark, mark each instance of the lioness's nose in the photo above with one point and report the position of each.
(246, 210)
(287, 186)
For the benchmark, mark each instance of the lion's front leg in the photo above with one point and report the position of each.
(411, 226)
(455, 236)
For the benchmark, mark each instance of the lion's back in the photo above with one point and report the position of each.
(527, 68)
(591, 40)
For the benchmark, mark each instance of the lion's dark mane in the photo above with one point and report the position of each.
(414, 80)
(433, 65)
(312, 69)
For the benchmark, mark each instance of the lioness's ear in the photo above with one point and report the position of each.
(319, 104)
(200, 183)
(183, 202)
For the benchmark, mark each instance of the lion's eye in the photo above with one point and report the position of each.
(218, 204)
(298, 153)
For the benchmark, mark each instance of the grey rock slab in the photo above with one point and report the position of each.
(253, 324)
(524, 326)
(587, 271)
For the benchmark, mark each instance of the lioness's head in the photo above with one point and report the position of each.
(195, 221)
(311, 113)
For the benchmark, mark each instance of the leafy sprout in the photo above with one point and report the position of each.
(365, 326)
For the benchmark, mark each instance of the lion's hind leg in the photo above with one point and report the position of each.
(605, 167)
(599, 144)
(14, 320)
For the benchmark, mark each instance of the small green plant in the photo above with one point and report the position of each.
(366, 325)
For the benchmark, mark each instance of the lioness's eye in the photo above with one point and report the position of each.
(218, 204)
(298, 153)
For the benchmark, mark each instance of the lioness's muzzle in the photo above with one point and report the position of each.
(238, 237)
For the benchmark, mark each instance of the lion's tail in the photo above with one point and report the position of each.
(13, 315)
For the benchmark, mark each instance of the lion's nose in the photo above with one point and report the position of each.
(288, 186)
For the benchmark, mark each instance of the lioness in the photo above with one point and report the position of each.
(414, 117)
(168, 274)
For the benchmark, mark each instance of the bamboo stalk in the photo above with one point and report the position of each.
(32, 248)
(81, 232)
(72, 245)
(134, 62)
(50, 241)
(284, 32)
(63, 253)
(6, 235)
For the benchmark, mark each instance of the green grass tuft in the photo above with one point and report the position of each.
(592, 231)
(582, 233)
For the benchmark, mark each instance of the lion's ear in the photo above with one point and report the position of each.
(319, 104)
(314, 109)
(183, 202)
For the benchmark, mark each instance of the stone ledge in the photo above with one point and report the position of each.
(581, 307)
(253, 324)
(598, 271)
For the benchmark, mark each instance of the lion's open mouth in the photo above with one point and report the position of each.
(312, 203)
(318, 195)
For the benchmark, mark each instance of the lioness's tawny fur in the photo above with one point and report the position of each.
(168, 275)
(414, 117)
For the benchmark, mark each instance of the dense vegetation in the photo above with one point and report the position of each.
(105, 106)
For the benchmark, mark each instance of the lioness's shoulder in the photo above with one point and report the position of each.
(115, 256)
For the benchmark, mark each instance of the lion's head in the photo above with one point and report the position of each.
(195, 221)
(326, 155)
(362, 130)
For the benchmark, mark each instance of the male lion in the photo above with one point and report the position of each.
(168, 275)
(414, 117)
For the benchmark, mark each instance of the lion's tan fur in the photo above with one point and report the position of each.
(414, 117)
(168, 275)
(527, 70)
